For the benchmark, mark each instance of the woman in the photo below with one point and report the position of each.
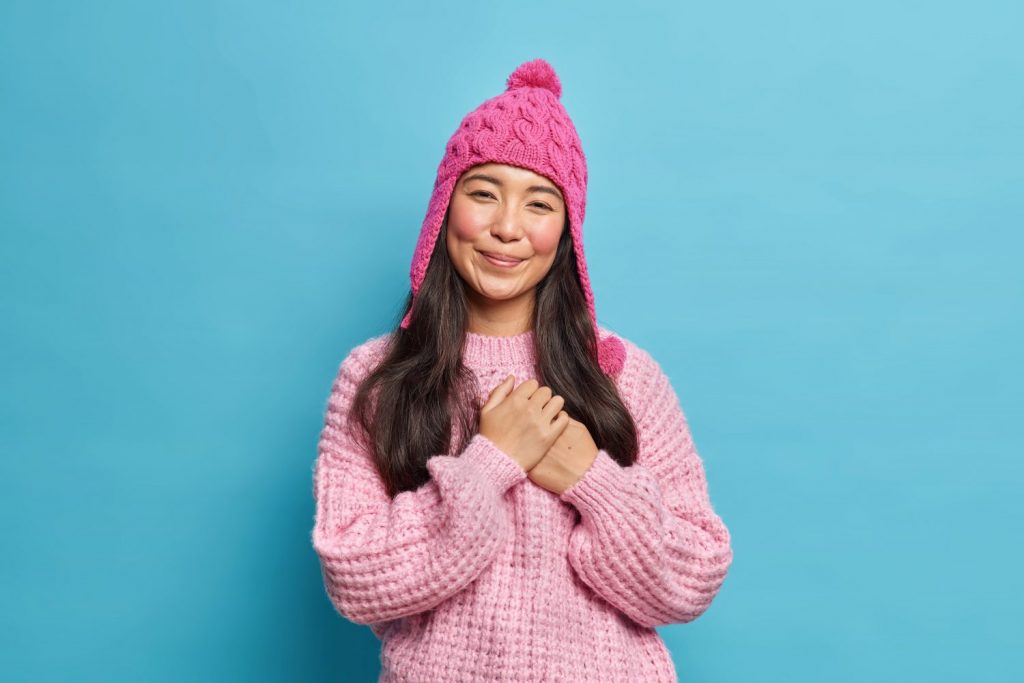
(506, 490)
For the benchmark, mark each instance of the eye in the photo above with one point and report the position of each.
(480, 192)
(542, 205)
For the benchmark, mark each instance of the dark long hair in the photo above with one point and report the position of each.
(408, 408)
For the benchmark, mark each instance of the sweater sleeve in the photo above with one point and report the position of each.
(384, 558)
(648, 540)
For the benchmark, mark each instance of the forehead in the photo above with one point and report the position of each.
(507, 172)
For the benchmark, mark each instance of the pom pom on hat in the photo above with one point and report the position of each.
(611, 354)
(535, 74)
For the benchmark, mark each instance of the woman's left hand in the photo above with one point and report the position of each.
(567, 460)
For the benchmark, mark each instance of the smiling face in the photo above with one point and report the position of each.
(504, 224)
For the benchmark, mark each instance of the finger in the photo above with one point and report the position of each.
(541, 396)
(499, 393)
(552, 407)
(526, 389)
(561, 421)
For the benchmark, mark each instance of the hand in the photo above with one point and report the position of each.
(567, 460)
(523, 422)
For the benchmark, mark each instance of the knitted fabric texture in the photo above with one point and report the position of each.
(525, 126)
(482, 575)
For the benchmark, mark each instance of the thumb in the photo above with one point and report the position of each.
(499, 393)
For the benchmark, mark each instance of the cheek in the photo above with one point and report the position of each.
(463, 222)
(545, 239)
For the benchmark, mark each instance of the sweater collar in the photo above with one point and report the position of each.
(483, 350)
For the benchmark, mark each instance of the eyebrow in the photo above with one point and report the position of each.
(531, 188)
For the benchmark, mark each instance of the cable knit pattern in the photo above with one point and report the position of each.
(482, 575)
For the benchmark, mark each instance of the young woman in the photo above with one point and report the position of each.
(506, 490)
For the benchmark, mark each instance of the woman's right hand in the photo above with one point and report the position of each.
(523, 422)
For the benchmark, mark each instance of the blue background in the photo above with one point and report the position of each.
(810, 213)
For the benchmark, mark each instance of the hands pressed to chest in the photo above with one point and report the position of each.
(528, 423)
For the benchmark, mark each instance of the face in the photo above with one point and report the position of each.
(504, 224)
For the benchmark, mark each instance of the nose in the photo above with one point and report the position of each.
(506, 225)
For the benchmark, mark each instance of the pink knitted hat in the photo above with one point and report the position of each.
(524, 126)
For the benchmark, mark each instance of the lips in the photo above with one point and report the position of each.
(500, 260)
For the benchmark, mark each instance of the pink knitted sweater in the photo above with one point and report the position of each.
(482, 575)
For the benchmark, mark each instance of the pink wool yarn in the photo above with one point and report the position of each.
(482, 575)
(524, 126)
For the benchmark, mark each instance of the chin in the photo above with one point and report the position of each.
(498, 294)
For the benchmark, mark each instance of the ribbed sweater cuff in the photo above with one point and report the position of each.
(495, 464)
(598, 484)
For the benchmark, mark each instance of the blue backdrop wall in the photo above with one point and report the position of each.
(809, 212)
